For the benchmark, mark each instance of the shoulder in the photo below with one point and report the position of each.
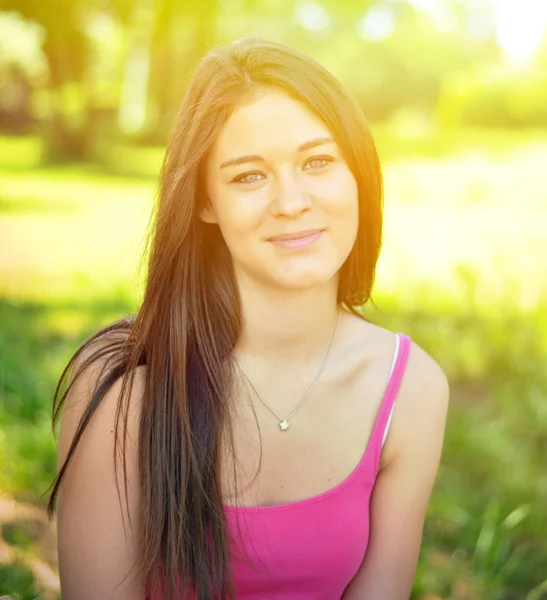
(99, 504)
(422, 399)
(92, 363)
(424, 387)
(424, 381)
(419, 417)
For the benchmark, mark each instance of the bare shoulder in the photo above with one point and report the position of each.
(424, 380)
(422, 400)
(424, 389)
(419, 417)
(89, 367)
(97, 529)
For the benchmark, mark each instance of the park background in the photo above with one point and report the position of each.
(456, 94)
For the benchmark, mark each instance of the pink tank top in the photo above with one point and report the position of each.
(311, 549)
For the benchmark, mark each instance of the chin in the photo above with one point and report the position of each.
(295, 273)
(304, 279)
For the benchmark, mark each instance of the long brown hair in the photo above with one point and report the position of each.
(190, 317)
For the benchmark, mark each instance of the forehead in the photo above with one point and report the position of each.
(273, 122)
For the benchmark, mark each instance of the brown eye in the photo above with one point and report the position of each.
(245, 176)
(322, 161)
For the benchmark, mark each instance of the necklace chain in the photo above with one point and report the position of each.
(284, 423)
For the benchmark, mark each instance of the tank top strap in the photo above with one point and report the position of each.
(383, 419)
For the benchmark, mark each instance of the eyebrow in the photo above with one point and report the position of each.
(256, 158)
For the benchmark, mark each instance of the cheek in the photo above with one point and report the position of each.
(239, 219)
(344, 212)
(343, 196)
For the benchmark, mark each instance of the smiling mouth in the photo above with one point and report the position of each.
(299, 239)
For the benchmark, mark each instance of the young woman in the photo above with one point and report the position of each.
(231, 439)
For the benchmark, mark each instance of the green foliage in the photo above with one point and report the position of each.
(494, 97)
(116, 71)
(17, 580)
(483, 535)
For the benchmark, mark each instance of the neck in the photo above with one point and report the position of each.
(284, 326)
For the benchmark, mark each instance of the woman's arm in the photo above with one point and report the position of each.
(400, 497)
(95, 554)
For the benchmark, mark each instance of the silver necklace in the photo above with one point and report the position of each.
(284, 423)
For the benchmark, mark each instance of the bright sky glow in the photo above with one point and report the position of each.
(312, 16)
(521, 25)
(20, 42)
(377, 24)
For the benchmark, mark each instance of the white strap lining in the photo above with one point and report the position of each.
(396, 354)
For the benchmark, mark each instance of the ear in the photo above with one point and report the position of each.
(207, 215)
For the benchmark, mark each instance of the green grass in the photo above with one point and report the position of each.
(16, 577)
(462, 272)
(486, 516)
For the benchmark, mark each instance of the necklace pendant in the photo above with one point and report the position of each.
(284, 425)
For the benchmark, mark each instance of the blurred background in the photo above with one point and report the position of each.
(456, 94)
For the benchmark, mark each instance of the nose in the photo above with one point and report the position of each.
(291, 198)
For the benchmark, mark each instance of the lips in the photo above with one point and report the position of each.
(298, 235)
(298, 239)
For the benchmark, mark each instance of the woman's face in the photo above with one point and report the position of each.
(282, 194)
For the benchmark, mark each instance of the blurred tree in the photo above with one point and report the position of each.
(501, 97)
(22, 66)
(122, 65)
(67, 52)
(394, 55)
(162, 41)
(181, 33)
(73, 117)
